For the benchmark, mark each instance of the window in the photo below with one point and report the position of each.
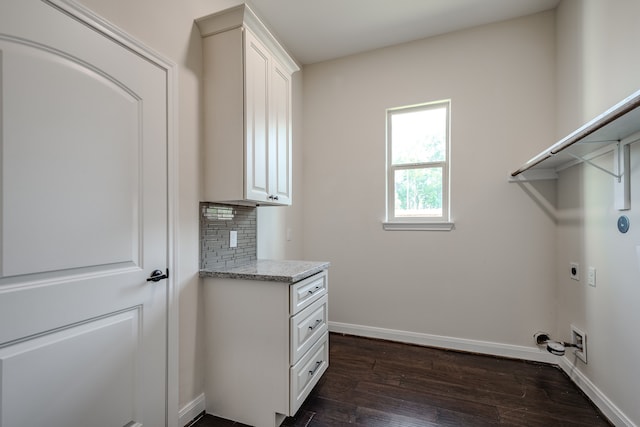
(418, 166)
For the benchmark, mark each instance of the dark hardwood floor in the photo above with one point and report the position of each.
(373, 383)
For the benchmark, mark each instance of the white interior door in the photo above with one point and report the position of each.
(83, 223)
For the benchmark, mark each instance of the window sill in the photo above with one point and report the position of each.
(418, 226)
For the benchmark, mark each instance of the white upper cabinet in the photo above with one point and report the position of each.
(247, 102)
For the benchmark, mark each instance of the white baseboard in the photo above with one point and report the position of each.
(608, 408)
(450, 343)
(191, 410)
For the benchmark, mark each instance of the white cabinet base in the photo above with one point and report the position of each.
(250, 377)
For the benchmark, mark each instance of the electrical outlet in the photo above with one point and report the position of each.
(574, 271)
(579, 338)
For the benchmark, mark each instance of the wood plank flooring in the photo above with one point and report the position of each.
(373, 383)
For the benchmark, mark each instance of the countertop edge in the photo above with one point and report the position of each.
(272, 276)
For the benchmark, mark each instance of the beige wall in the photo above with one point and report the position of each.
(597, 67)
(491, 279)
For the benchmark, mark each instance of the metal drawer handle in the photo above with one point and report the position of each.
(315, 325)
(316, 289)
(313, 371)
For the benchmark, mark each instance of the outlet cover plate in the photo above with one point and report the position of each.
(574, 271)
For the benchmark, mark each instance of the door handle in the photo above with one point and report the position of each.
(157, 275)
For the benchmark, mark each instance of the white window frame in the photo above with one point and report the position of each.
(443, 222)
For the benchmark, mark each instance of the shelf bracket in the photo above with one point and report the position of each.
(589, 162)
(621, 164)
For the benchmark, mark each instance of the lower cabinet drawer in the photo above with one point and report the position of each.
(307, 327)
(307, 372)
(306, 291)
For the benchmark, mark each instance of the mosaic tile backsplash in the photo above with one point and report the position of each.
(216, 223)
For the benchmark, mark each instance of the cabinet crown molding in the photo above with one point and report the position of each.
(242, 16)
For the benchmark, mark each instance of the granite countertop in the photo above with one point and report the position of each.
(269, 270)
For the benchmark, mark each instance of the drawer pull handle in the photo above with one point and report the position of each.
(315, 325)
(316, 289)
(313, 371)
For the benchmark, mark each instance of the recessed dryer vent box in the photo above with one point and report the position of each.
(579, 338)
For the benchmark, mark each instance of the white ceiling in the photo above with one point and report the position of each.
(318, 30)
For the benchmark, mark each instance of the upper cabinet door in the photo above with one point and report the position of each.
(280, 135)
(257, 155)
